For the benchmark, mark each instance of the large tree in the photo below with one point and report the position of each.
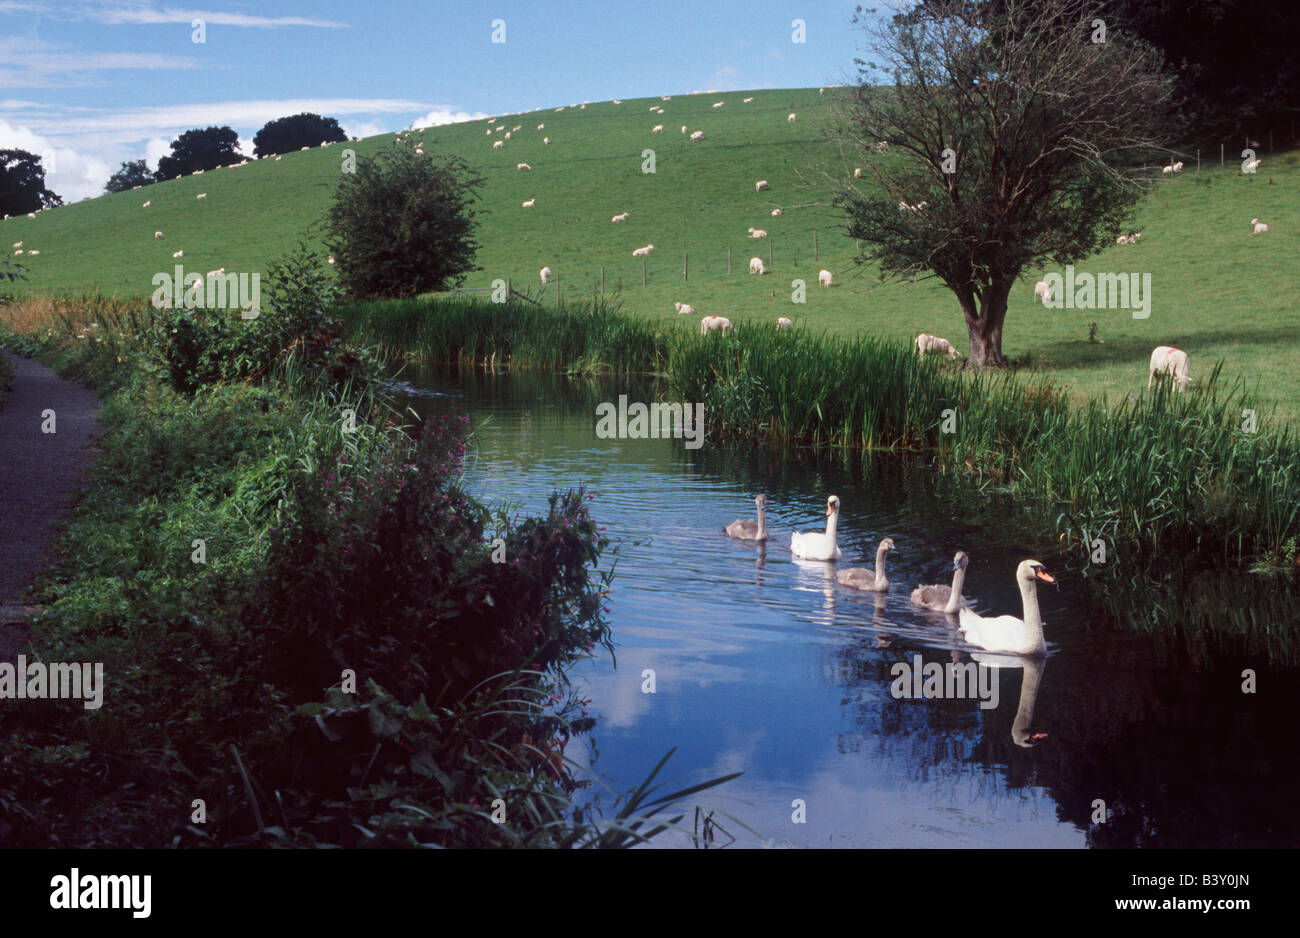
(133, 173)
(22, 184)
(1009, 137)
(286, 134)
(199, 149)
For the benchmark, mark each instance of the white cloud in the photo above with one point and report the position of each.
(363, 129)
(446, 116)
(68, 173)
(155, 150)
(150, 16)
(26, 62)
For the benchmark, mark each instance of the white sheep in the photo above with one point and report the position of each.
(711, 323)
(643, 251)
(523, 167)
(657, 129)
(1167, 170)
(1043, 289)
(932, 343)
(757, 233)
(1252, 165)
(546, 140)
(719, 104)
(857, 172)
(790, 119)
(17, 253)
(545, 273)
(761, 185)
(541, 126)
(784, 322)
(1178, 167)
(198, 172)
(529, 204)
(498, 144)
(683, 308)
(776, 213)
(824, 278)
(157, 234)
(33, 253)
(756, 266)
(178, 254)
(507, 136)
(1167, 360)
(621, 217)
(1260, 227)
(516, 128)
(698, 135)
(201, 195)
(146, 204)
(747, 100)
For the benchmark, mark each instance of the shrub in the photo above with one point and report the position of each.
(403, 224)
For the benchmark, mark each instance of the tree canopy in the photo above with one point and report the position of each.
(199, 149)
(22, 184)
(133, 173)
(1009, 137)
(286, 134)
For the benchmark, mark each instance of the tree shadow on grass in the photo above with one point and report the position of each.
(1123, 350)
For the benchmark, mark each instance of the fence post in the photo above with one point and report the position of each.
(643, 271)
(1198, 159)
(728, 258)
(1220, 156)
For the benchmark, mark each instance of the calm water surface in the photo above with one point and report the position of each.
(764, 665)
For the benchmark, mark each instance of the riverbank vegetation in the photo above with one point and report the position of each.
(310, 634)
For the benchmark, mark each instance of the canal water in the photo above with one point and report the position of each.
(762, 664)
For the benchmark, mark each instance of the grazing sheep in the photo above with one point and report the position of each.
(1130, 238)
(1260, 227)
(545, 273)
(698, 135)
(719, 104)
(515, 129)
(303, 149)
(147, 204)
(747, 100)
(761, 185)
(857, 172)
(776, 213)
(1167, 170)
(718, 323)
(622, 217)
(932, 343)
(529, 204)
(643, 251)
(277, 159)
(757, 233)
(17, 253)
(824, 278)
(507, 137)
(1253, 165)
(790, 119)
(201, 195)
(546, 140)
(498, 144)
(541, 126)
(1043, 289)
(198, 172)
(1178, 167)
(31, 214)
(1167, 360)
(784, 322)
(756, 266)
(157, 234)
(178, 254)
(684, 308)
(524, 167)
(657, 129)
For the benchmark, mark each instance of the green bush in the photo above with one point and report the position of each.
(403, 224)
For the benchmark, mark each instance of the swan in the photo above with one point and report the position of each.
(751, 530)
(1007, 633)
(945, 598)
(865, 578)
(814, 546)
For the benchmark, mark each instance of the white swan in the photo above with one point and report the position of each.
(945, 598)
(814, 546)
(866, 578)
(751, 530)
(1007, 633)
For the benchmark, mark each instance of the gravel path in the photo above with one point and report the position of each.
(40, 476)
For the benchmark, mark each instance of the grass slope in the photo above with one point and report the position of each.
(1219, 291)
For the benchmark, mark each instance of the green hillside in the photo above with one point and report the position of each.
(1218, 290)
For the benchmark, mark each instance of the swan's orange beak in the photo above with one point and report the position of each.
(829, 511)
(1044, 576)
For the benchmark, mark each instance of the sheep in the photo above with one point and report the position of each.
(18, 244)
(790, 119)
(17, 253)
(198, 172)
(698, 135)
(523, 167)
(1252, 165)
(178, 254)
(784, 322)
(761, 185)
(657, 129)
(719, 103)
(498, 144)
(507, 137)
(1167, 170)
(643, 251)
(277, 159)
(747, 100)
(546, 140)
(653, 107)
(1260, 227)
(303, 149)
(756, 266)
(157, 234)
(31, 214)
(515, 129)
(545, 273)
(659, 110)
(33, 253)
(419, 151)
(932, 343)
(1043, 289)
(1178, 167)
(757, 233)
(1167, 360)
(201, 195)
(857, 172)
(683, 308)
(683, 128)
(824, 278)
(710, 323)
(541, 126)
(776, 213)
(622, 217)
(529, 204)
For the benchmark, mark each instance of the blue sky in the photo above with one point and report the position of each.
(89, 84)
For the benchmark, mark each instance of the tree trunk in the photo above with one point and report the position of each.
(985, 329)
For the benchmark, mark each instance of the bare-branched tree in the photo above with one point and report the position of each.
(1014, 133)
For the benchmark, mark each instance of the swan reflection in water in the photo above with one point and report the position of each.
(1033, 675)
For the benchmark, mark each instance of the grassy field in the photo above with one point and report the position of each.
(1218, 291)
